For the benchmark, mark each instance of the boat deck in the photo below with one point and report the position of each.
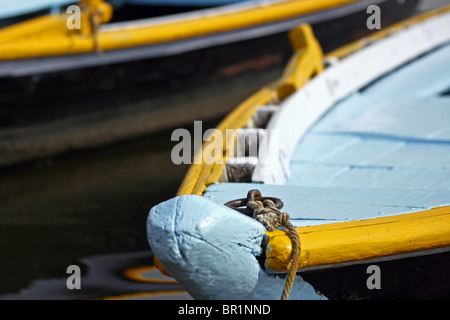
(320, 205)
(394, 134)
(382, 151)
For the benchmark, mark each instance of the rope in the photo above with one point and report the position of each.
(94, 17)
(268, 214)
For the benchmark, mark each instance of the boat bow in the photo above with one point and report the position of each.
(213, 251)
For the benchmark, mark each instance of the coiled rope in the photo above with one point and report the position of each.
(272, 218)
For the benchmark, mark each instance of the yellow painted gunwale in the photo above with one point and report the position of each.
(337, 242)
(49, 35)
(359, 240)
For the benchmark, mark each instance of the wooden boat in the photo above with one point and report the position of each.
(356, 146)
(135, 53)
(57, 35)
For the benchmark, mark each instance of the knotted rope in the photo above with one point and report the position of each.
(95, 13)
(268, 214)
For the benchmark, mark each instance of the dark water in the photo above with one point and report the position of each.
(89, 208)
(57, 211)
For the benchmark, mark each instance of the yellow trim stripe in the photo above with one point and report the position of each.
(35, 41)
(358, 240)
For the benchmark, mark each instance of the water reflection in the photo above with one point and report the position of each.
(109, 276)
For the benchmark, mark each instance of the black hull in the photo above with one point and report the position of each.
(422, 277)
(105, 88)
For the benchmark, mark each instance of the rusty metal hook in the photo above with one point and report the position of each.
(253, 195)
